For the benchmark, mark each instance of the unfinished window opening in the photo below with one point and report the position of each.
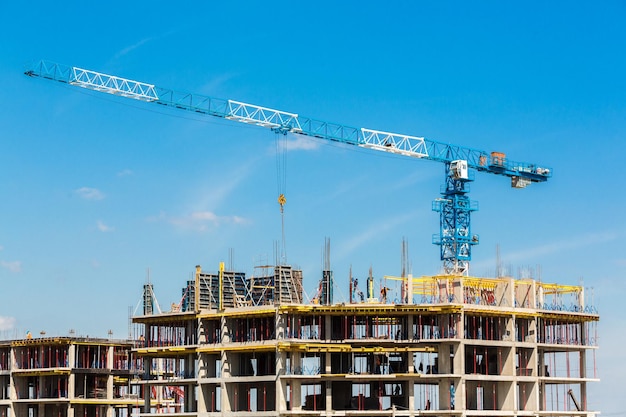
(524, 362)
(524, 330)
(313, 397)
(210, 331)
(252, 329)
(122, 358)
(5, 354)
(179, 333)
(525, 395)
(212, 397)
(426, 396)
(563, 397)
(309, 327)
(484, 395)
(90, 386)
(253, 364)
(341, 363)
(209, 366)
(53, 387)
(564, 364)
(5, 387)
(91, 357)
(486, 328)
(426, 363)
(428, 327)
(485, 360)
(37, 357)
(122, 389)
(355, 396)
(561, 332)
(85, 410)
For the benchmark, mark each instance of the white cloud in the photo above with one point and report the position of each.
(204, 215)
(7, 323)
(214, 193)
(90, 193)
(301, 143)
(103, 227)
(373, 232)
(216, 83)
(549, 248)
(130, 48)
(199, 221)
(559, 246)
(125, 173)
(13, 266)
(293, 142)
(141, 42)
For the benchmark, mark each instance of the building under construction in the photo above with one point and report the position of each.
(237, 345)
(447, 345)
(68, 376)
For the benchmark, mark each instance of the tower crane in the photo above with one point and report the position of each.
(455, 237)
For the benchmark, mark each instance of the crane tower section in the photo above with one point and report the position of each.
(455, 235)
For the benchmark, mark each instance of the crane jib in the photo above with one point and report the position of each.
(286, 122)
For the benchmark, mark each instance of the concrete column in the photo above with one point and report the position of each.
(583, 353)
(296, 395)
(457, 290)
(505, 397)
(460, 402)
(583, 370)
(110, 365)
(532, 297)
(445, 366)
(510, 293)
(226, 389)
(329, 391)
(281, 383)
(446, 362)
(329, 396)
(444, 394)
(147, 368)
(71, 380)
(203, 403)
(581, 299)
(457, 359)
(225, 331)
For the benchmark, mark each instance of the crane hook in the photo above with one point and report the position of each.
(281, 200)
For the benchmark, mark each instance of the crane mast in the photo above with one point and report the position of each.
(455, 237)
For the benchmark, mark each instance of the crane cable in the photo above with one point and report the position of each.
(281, 182)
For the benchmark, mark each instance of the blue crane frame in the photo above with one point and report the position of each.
(455, 237)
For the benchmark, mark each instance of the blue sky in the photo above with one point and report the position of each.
(99, 190)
